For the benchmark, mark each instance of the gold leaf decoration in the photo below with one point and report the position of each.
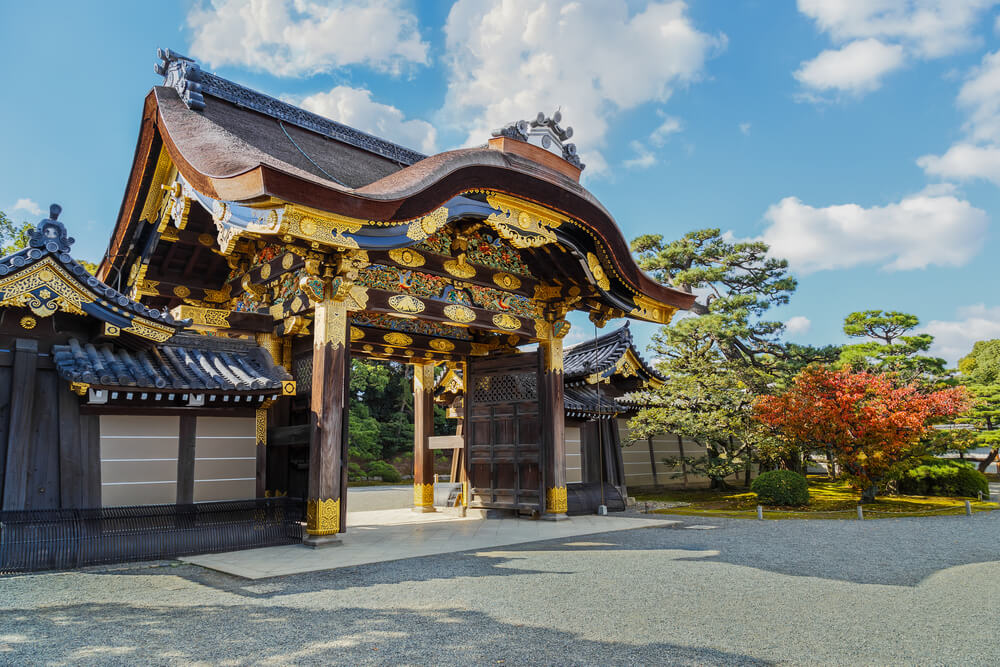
(287, 261)
(265, 271)
(406, 257)
(523, 223)
(459, 267)
(442, 345)
(507, 321)
(597, 270)
(181, 291)
(28, 322)
(356, 334)
(405, 303)
(506, 281)
(398, 339)
(458, 313)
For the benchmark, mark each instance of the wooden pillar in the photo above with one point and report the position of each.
(553, 424)
(260, 431)
(423, 427)
(327, 497)
(19, 440)
(186, 442)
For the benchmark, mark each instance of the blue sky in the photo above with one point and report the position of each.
(860, 137)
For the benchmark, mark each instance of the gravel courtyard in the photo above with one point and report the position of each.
(912, 591)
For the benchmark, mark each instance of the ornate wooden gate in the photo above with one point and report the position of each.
(503, 437)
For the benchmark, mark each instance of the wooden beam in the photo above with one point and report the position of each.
(186, 444)
(434, 264)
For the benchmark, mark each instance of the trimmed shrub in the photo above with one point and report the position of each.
(354, 472)
(385, 471)
(943, 477)
(781, 487)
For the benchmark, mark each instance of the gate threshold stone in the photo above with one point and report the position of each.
(387, 538)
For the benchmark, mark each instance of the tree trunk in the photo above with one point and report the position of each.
(831, 471)
(868, 494)
(988, 461)
(684, 467)
(746, 474)
(652, 460)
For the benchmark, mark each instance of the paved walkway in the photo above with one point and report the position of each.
(387, 535)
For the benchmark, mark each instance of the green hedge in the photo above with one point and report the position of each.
(781, 487)
(385, 471)
(944, 477)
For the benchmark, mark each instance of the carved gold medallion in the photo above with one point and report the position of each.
(406, 257)
(506, 321)
(405, 303)
(397, 339)
(442, 345)
(356, 334)
(287, 261)
(506, 281)
(458, 313)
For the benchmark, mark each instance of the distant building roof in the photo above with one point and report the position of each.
(614, 352)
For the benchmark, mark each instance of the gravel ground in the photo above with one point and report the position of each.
(897, 591)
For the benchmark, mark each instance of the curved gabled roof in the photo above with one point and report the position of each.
(238, 147)
(45, 278)
(604, 355)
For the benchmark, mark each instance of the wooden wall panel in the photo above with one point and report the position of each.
(225, 464)
(573, 471)
(138, 459)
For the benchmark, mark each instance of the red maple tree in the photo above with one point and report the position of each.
(869, 420)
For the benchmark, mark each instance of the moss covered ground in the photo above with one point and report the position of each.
(827, 500)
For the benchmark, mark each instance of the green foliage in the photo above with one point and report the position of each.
(980, 371)
(13, 236)
(740, 283)
(354, 472)
(716, 362)
(781, 487)
(943, 477)
(889, 349)
(385, 471)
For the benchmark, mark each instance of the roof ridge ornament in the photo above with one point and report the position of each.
(546, 132)
(51, 234)
(183, 74)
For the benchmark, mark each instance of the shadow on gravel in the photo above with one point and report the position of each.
(896, 552)
(124, 634)
(409, 570)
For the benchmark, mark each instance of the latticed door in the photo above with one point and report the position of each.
(503, 438)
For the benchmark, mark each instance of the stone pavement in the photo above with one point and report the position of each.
(387, 535)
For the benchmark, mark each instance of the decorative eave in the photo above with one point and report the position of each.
(254, 196)
(45, 279)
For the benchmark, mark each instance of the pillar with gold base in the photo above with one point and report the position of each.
(423, 427)
(553, 419)
(326, 504)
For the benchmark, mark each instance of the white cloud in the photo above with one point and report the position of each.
(923, 29)
(745, 128)
(856, 68)
(798, 325)
(964, 162)
(953, 339)
(930, 28)
(670, 125)
(924, 229)
(509, 59)
(29, 205)
(644, 158)
(978, 155)
(302, 37)
(355, 107)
